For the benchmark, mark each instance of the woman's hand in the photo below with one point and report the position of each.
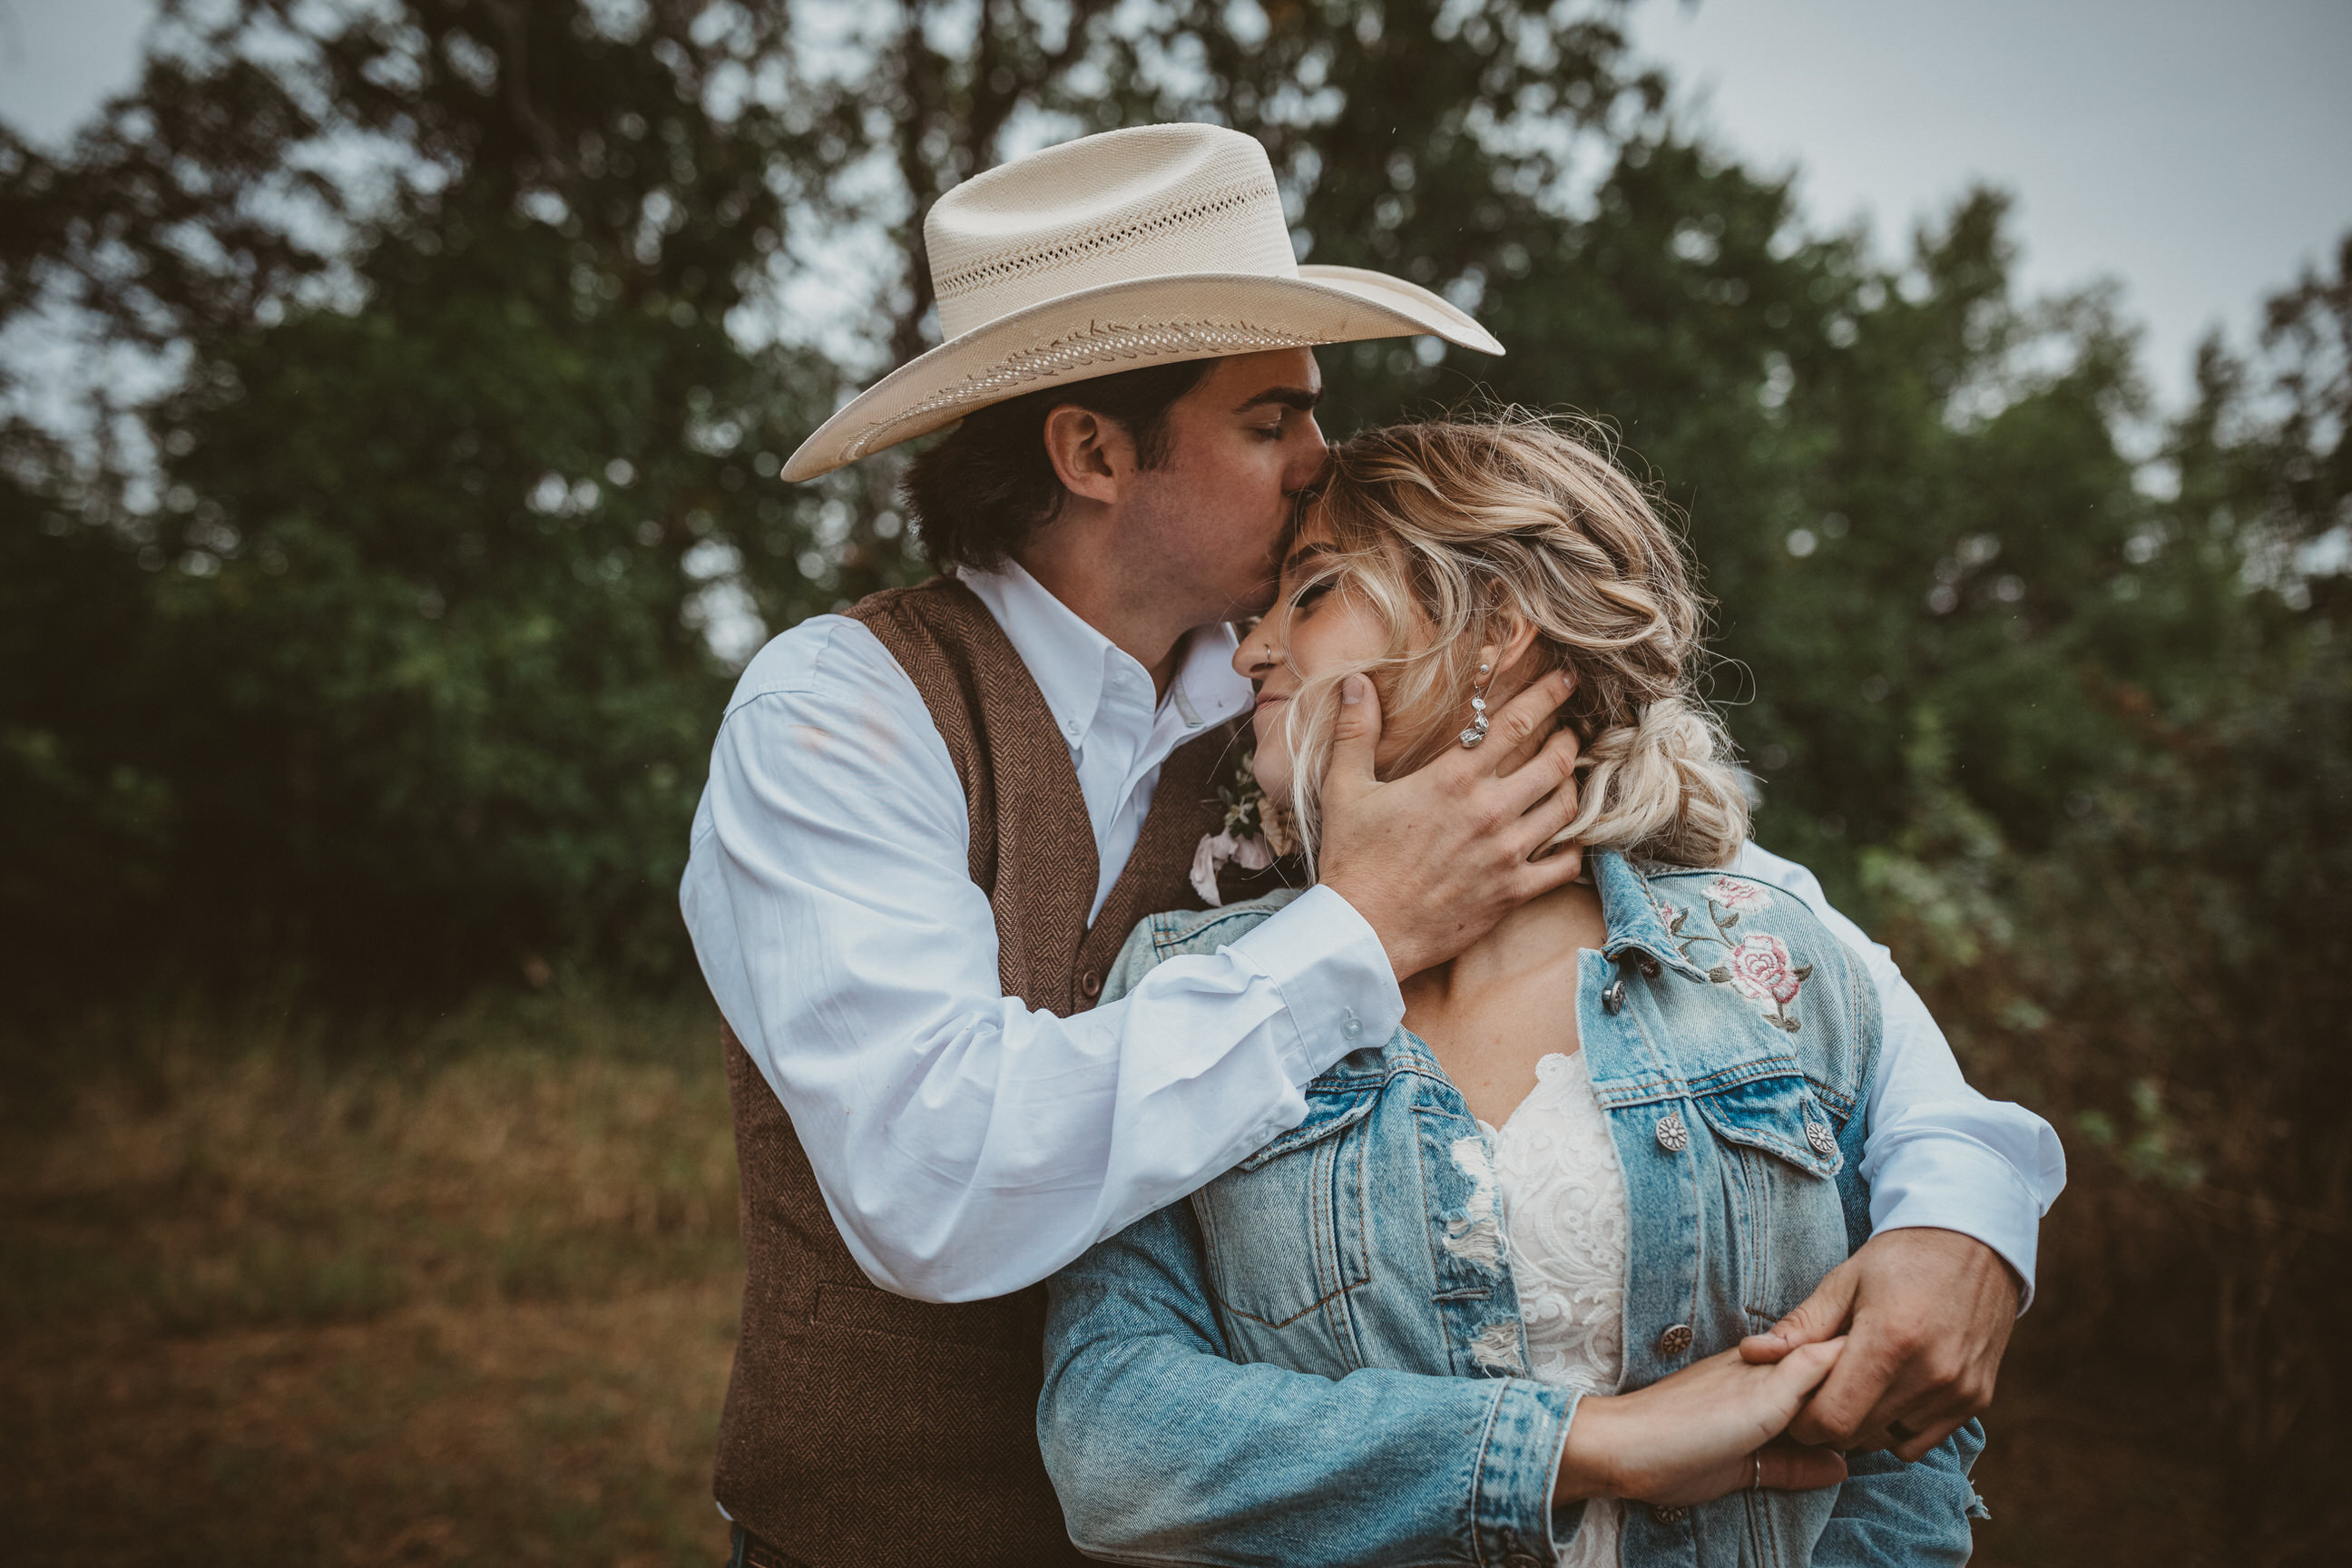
(1692, 1437)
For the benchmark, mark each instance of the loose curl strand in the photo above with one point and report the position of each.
(1456, 532)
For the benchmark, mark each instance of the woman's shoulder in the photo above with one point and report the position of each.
(1176, 932)
(1768, 949)
(1703, 902)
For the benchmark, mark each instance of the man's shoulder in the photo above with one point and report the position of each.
(826, 658)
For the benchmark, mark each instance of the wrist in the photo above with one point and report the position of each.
(1586, 1470)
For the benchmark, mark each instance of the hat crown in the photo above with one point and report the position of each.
(1149, 202)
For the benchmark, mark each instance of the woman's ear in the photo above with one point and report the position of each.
(1511, 637)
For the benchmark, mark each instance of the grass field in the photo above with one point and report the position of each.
(466, 1292)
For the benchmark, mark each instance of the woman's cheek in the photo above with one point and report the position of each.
(1271, 766)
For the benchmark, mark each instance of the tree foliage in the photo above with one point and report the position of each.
(359, 587)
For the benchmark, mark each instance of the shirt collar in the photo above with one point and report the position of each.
(1073, 663)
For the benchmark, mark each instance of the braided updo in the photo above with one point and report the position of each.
(1454, 528)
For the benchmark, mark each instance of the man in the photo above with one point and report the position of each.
(932, 822)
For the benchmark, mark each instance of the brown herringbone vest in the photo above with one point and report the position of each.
(862, 1428)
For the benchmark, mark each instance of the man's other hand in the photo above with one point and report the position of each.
(1927, 1315)
(1431, 860)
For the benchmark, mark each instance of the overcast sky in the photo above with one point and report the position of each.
(2200, 151)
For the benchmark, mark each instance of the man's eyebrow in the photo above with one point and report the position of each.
(1303, 399)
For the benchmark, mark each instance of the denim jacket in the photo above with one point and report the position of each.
(1318, 1357)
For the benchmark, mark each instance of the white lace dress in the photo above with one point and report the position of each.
(1563, 1198)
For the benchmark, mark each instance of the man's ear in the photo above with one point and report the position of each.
(1091, 455)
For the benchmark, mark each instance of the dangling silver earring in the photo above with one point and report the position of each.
(1478, 730)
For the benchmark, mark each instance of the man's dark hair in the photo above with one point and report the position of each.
(977, 496)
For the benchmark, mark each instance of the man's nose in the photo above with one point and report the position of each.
(1314, 455)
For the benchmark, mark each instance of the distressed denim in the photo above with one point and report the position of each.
(1319, 1358)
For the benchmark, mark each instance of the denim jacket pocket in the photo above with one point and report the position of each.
(1771, 1109)
(1285, 1229)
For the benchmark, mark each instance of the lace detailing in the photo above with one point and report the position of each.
(1564, 1207)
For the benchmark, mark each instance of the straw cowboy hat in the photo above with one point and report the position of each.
(1161, 242)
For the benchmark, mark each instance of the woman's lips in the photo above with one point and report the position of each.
(1267, 699)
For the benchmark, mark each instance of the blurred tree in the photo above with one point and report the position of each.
(395, 668)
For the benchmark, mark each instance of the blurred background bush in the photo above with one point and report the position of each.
(365, 619)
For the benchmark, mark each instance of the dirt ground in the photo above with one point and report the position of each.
(477, 1308)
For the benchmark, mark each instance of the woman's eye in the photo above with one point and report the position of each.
(1312, 592)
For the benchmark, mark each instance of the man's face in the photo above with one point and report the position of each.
(1241, 446)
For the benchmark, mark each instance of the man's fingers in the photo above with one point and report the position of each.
(1839, 1414)
(1355, 739)
(1822, 1315)
(1911, 1449)
(1523, 724)
(1791, 1468)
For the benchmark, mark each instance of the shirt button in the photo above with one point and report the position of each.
(1352, 1027)
(1672, 1136)
(1090, 984)
(1075, 729)
(1675, 1340)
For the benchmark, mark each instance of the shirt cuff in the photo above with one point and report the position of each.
(1948, 1181)
(1334, 976)
(1518, 1465)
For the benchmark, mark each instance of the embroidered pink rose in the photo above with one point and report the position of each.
(1738, 896)
(1761, 970)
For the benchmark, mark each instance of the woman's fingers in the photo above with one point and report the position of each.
(1804, 1369)
(1793, 1467)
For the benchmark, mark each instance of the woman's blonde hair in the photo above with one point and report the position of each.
(1467, 526)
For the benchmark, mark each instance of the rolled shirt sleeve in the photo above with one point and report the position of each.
(1940, 1154)
(967, 1144)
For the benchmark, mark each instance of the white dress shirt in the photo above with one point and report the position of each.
(967, 1144)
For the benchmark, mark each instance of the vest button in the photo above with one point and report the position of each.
(1675, 1340)
(1089, 986)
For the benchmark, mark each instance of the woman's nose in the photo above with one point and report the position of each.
(1255, 653)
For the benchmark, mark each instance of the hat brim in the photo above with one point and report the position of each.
(1124, 326)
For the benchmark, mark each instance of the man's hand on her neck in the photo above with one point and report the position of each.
(1431, 860)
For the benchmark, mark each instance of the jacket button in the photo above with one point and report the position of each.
(1090, 985)
(1674, 1340)
(1824, 1141)
(1649, 967)
(1614, 998)
(1672, 1136)
(1665, 1515)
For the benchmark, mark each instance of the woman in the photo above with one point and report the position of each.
(1613, 1137)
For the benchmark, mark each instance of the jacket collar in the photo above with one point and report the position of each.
(1632, 914)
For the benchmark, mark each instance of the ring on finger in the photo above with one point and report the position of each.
(1757, 1483)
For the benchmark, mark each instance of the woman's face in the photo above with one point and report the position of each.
(1306, 634)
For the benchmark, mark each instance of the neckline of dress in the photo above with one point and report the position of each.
(1496, 1131)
